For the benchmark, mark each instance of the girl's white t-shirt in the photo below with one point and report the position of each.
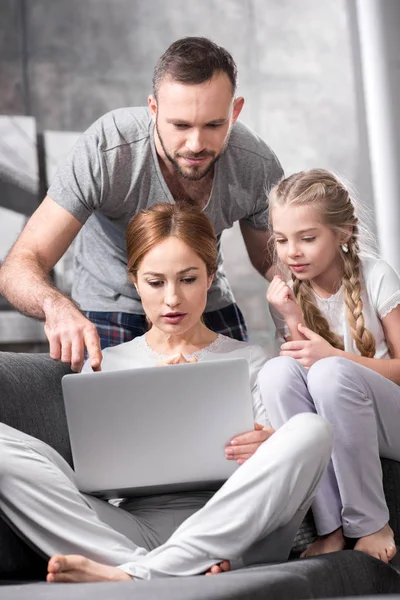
(380, 293)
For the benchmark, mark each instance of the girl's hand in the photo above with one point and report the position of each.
(281, 297)
(242, 446)
(309, 350)
(176, 359)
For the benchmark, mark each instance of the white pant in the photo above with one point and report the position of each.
(363, 408)
(252, 518)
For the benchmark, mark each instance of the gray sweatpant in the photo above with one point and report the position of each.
(363, 408)
(252, 518)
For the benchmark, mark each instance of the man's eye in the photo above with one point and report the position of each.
(181, 126)
(214, 125)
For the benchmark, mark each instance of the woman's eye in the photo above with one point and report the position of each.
(155, 283)
(280, 240)
(308, 239)
(189, 279)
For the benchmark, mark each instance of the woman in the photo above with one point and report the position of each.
(172, 257)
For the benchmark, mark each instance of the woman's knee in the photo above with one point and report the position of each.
(7, 449)
(315, 430)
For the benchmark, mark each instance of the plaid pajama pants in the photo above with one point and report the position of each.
(116, 328)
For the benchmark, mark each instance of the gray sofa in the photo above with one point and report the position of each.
(31, 400)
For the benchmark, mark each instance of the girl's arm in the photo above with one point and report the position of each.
(285, 311)
(389, 368)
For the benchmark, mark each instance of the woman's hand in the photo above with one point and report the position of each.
(176, 359)
(243, 446)
(281, 297)
(309, 350)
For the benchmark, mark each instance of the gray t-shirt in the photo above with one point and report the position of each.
(113, 172)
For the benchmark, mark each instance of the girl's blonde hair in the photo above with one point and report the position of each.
(327, 194)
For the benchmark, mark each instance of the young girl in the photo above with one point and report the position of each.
(340, 317)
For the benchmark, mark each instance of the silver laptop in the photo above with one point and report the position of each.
(157, 429)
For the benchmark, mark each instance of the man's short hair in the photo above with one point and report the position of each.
(194, 60)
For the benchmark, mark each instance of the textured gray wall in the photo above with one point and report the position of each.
(66, 62)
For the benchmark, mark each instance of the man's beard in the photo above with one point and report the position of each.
(193, 173)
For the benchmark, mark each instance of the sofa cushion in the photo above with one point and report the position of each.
(339, 574)
(31, 398)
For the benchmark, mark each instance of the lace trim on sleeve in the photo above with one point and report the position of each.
(389, 305)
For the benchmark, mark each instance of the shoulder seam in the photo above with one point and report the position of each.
(233, 145)
(124, 144)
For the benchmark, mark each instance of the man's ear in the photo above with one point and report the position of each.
(237, 108)
(152, 103)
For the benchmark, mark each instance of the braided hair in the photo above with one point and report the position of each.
(332, 200)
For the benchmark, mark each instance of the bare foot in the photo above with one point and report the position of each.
(380, 544)
(221, 567)
(326, 543)
(78, 569)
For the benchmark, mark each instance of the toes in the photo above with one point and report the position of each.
(54, 564)
(215, 569)
(225, 565)
(391, 552)
(61, 578)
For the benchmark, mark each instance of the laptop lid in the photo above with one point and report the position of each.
(156, 429)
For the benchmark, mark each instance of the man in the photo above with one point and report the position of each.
(186, 147)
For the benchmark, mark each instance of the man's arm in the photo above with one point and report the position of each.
(25, 282)
(259, 248)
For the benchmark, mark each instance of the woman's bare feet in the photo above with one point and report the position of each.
(380, 544)
(326, 543)
(221, 567)
(78, 569)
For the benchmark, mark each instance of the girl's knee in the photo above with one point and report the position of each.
(329, 380)
(279, 370)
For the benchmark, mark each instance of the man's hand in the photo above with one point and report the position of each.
(243, 446)
(69, 332)
(309, 350)
(176, 359)
(281, 297)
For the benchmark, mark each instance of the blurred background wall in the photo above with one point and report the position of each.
(66, 62)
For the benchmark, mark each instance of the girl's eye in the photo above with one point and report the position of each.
(189, 279)
(308, 239)
(280, 240)
(155, 283)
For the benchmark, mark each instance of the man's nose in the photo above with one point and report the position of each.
(195, 142)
